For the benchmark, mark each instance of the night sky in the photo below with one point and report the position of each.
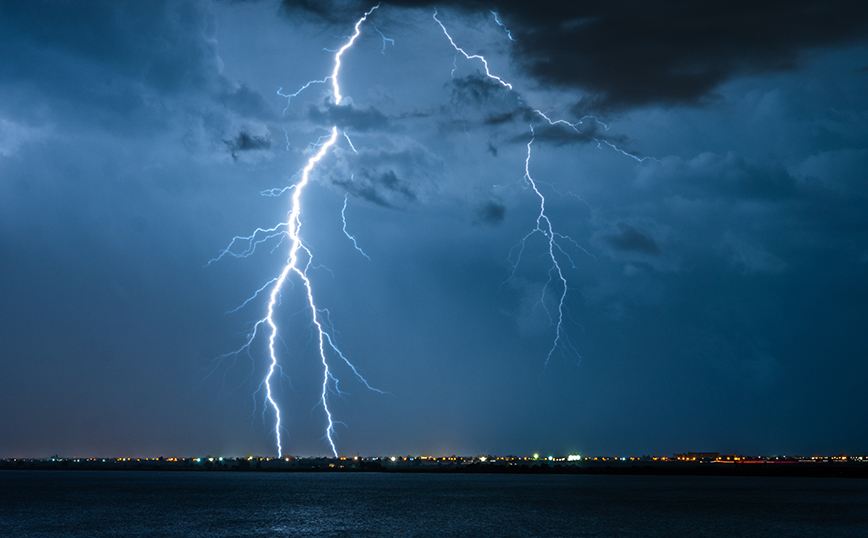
(717, 260)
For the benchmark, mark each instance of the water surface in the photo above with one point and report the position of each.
(97, 504)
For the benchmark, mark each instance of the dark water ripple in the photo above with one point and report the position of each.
(54, 504)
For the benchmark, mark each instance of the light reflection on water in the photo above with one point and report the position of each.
(98, 504)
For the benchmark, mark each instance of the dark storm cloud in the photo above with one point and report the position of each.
(628, 53)
(709, 175)
(365, 191)
(112, 64)
(640, 245)
(477, 100)
(382, 188)
(629, 239)
(347, 116)
(247, 142)
(678, 51)
(491, 213)
(498, 119)
(489, 100)
(247, 102)
(477, 88)
(560, 134)
(390, 174)
(338, 11)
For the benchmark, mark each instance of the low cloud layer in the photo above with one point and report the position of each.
(625, 54)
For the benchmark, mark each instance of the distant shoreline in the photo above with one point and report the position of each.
(384, 465)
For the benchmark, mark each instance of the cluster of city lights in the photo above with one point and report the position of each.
(453, 459)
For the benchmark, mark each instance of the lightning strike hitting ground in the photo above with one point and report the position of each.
(298, 263)
(300, 257)
(293, 264)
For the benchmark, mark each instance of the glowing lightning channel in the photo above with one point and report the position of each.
(293, 265)
(599, 141)
(573, 126)
(298, 262)
(543, 223)
(392, 41)
(497, 20)
(351, 237)
(469, 56)
(350, 142)
(289, 96)
(334, 76)
(544, 226)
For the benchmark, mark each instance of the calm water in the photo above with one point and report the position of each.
(175, 504)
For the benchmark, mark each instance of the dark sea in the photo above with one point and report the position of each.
(95, 504)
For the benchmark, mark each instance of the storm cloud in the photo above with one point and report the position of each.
(624, 54)
(701, 184)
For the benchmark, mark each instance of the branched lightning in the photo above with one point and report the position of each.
(471, 56)
(392, 41)
(497, 20)
(300, 257)
(351, 237)
(293, 265)
(543, 223)
(334, 76)
(252, 297)
(599, 141)
(544, 226)
(259, 236)
(289, 96)
(298, 263)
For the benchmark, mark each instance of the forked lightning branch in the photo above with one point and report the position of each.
(300, 257)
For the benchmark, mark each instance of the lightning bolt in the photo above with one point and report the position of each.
(300, 257)
(392, 41)
(543, 223)
(351, 237)
(298, 263)
(293, 265)
(599, 141)
(471, 56)
(544, 227)
(505, 29)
